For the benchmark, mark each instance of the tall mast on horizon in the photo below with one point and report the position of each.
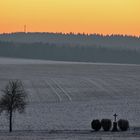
(25, 28)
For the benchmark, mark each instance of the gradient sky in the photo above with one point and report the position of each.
(89, 16)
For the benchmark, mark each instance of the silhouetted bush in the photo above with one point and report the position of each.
(96, 125)
(123, 125)
(106, 124)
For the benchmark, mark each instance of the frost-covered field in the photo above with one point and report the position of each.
(67, 96)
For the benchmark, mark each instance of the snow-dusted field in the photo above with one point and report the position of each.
(67, 96)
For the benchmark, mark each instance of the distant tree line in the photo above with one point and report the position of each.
(59, 52)
(71, 39)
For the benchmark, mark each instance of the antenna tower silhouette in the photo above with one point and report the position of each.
(25, 28)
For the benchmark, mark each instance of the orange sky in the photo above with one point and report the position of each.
(89, 16)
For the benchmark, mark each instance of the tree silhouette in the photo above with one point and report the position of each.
(13, 99)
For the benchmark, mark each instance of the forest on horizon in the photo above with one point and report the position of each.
(71, 47)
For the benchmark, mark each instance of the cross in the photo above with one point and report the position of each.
(115, 117)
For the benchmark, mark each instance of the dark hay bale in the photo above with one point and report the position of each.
(106, 124)
(123, 125)
(96, 125)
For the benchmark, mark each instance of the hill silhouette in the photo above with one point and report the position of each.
(71, 47)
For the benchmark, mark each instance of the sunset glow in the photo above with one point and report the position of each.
(89, 16)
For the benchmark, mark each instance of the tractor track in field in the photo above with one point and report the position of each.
(62, 89)
(53, 90)
(61, 94)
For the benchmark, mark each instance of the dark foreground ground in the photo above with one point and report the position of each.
(70, 135)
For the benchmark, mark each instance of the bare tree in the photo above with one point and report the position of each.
(13, 99)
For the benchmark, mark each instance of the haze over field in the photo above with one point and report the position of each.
(71, 47)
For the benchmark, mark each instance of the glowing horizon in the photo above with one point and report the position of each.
(78, 16)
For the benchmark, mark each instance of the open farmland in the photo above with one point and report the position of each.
(67, 96)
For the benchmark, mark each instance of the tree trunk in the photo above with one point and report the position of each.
(10, 121)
